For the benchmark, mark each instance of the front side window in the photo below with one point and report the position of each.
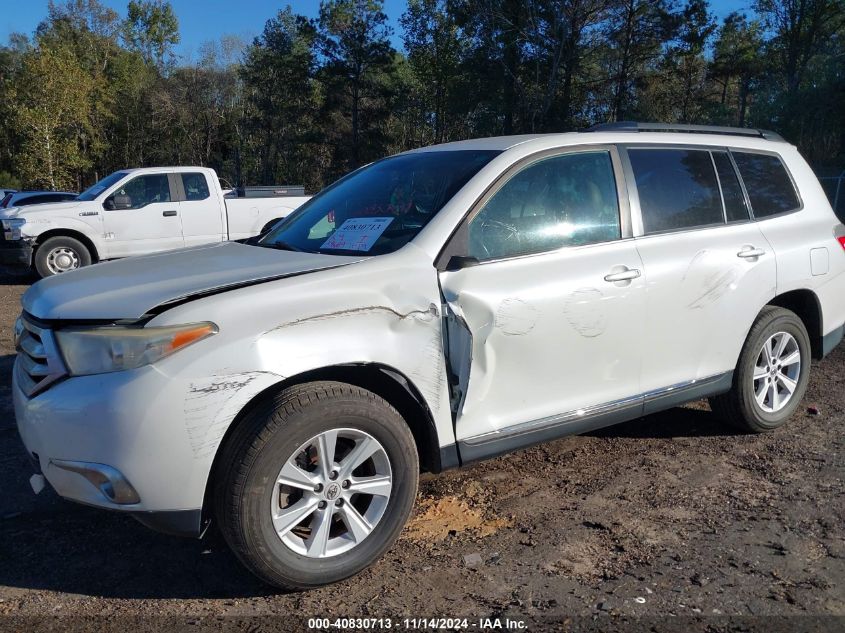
(767, 182)
(677, 189)
(196, 187)
(141, 191)
(379, 208)
(567, 200)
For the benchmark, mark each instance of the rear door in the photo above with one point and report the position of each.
(709, 269)
(544, 326)
(142, 216)
(200, 209)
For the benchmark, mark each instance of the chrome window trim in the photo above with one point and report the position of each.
(719, 185)
(745, 201)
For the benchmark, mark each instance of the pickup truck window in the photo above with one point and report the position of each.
(143, 190)
(99, 187)
(196, 187)
(381, 207)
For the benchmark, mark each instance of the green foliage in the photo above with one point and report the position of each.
(152, 29)
(50, 108)
(8, 181)
(93, 91)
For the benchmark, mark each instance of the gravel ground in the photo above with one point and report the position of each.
(670, 515)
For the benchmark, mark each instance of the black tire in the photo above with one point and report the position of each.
(43, 251)
(739, 406)
(268, 436)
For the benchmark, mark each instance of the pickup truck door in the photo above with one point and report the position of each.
(200, 209)
(543, 332)
(142, 216)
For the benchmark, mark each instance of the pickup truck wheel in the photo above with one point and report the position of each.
(772, 373)
(269, 226)
(315, 484)
(59, 255)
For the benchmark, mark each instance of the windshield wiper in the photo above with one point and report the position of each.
(282, 246)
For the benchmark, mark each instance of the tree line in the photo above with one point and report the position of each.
(92, 91)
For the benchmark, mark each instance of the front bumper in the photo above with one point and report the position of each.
(98, 441)
(15, 252)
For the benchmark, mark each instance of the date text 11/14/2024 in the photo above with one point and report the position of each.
(417, 624)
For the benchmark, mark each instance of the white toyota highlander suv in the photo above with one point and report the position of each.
(428, 310)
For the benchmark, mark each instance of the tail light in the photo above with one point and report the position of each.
(841, 240)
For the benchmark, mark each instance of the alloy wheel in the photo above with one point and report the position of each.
(331, 493)
(776, 372)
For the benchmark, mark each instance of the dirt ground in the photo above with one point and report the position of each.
(670, 515)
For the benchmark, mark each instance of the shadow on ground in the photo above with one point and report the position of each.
(10, 276)
(677, 422)
(51, 544)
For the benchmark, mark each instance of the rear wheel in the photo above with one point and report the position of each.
(59, 255)
(316, 484)
(772, 373)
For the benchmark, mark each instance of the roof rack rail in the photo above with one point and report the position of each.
(634, 126)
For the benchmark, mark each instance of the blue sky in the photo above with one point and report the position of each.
(204, 20)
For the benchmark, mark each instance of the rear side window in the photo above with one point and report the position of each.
(196, 187)
(5, 201)
(677, 189)
(735, 208)
(767, 182)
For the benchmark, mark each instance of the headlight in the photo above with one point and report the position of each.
(13, 223)
(104, 349)
(12, 228)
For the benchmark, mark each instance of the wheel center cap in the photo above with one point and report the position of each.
(332, 492)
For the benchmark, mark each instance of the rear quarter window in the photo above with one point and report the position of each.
(769, 187)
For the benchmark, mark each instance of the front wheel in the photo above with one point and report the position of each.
(316, 484)
(772, 373)
(59, 255)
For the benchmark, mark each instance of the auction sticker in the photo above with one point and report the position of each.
(357, 234)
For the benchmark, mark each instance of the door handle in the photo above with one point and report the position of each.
(625, 275)
(751, 253)
(168, 214)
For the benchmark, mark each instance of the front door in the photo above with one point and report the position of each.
(142, 216)
(544, 332)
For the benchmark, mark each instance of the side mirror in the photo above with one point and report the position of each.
(108, 205)
(459, 262)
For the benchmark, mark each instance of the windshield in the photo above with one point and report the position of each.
(96, 189)
(379, 208)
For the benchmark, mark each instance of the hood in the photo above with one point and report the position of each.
(45, 207)
(130, 288)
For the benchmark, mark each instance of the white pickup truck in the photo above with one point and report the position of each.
(135, 212)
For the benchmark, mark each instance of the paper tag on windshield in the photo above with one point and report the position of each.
(357, 234)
